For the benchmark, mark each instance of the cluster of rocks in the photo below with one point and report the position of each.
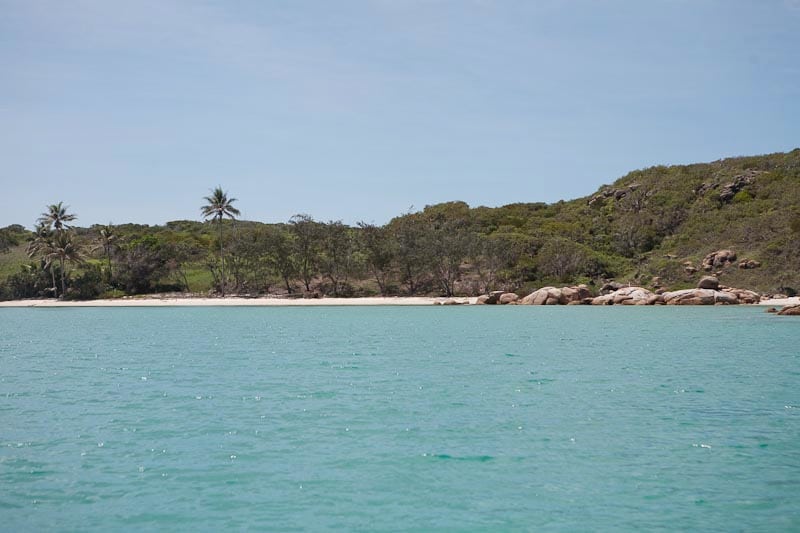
(545, 296)
(617, 194)
(722, 296)
(718, 259)
(743, 295)
(628, 296)
(708, 292)
(729, 190)
(698, 296)
(554, 296)
(498, 298)
(749, 263)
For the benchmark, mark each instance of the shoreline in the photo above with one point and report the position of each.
(234, 301)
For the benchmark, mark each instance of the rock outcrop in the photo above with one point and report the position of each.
(543, 296)
(741, 181)
(708, 282)
(507, 298)
(497, 298)
(628, 296)
(555, 296)
(610, 286)
(718, 259)
(747, 264)
(610, 192)
(729, 190)
(743, 295)
(700, 297)
(703, 295)
(790, 310)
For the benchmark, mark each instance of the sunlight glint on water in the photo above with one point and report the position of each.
(387, 418)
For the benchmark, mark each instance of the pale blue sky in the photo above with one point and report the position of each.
(357, 110)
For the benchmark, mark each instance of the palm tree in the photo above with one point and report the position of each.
(218, 206)
(65, 250)
(107, 240)
(42, 245)
(57, 217)
(45, 242)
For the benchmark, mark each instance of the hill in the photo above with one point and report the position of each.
(651, 227)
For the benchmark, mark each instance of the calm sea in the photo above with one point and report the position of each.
(396, 418)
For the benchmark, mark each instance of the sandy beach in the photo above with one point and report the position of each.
(233, 301)
(778, 302)
(277, 302)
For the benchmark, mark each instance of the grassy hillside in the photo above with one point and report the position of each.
(658, 222)
(750, 205)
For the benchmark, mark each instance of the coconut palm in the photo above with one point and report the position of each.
(218, 206)
(42, 245)
(57, 217)
(63, 249)
(107, 240)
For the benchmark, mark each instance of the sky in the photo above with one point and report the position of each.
(132, 111)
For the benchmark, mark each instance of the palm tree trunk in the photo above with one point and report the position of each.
(63, 279)
(53, 275)
(221, 258)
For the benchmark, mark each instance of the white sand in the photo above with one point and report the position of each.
(779, 302)
(232, 301)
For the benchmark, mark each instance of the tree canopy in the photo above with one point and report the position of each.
(658, 222)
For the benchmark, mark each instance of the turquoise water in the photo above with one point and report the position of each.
(394, 418)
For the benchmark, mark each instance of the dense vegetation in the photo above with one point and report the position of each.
(658, 222)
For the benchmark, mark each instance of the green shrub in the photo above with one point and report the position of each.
(87, 285)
